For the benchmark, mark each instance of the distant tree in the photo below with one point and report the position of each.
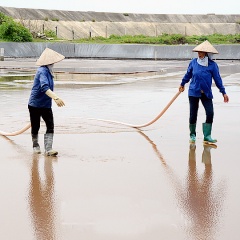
(3, 18)
(13, 31)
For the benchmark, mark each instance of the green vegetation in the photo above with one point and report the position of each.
(55, 19)
(13, 31)
(50, 33)
(3, 18)
(164, 39)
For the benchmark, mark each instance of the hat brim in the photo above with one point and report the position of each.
(49, 57)
(205, 47)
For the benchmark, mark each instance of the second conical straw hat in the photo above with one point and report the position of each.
(48, 57)
(206, 46)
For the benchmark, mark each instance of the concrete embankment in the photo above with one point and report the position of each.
(114, 51)
(77, 24)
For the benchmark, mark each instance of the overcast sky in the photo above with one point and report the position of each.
(133, 6)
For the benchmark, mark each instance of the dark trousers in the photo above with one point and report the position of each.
(35, 118)
(194, 105)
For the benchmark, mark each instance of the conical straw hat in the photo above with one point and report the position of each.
(206, 46)
(48, 57)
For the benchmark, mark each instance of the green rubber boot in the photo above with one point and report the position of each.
(192, 128)
(207, 129)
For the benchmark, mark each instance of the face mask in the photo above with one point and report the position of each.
(210, 55)
(203, 61)
(50, 67)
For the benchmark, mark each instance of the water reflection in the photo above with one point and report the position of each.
(41, 196)
(200, 199)
(41, 199)
(200, 203)
(206, 154)
(15, 79)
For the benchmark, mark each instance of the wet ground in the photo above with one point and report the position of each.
(111, 181)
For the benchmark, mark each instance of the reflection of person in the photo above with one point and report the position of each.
(40, 101)
(206, 154)
(192, 153)
(201, 71)
(41, 200)
(199, 197)
(199, 200)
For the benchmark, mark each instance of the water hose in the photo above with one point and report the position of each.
(121, 123)
(16, 132)
(146, 124)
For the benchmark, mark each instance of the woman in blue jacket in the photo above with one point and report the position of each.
(40, 101)
(201, 71)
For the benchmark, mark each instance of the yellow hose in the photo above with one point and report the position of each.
(121, 123)
(145, 124)
(16, 132)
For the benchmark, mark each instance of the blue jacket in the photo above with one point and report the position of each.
(42, 82)
(201, 79)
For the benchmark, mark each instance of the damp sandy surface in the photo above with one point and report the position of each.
(111, 181)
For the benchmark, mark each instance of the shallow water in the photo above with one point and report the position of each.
(111, 181)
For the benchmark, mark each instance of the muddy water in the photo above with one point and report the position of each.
(115, 182)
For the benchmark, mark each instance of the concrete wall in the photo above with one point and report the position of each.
(114, 51)
(75, 30)
(76, 24)
(62, 15)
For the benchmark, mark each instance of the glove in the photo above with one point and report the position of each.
(57, 100)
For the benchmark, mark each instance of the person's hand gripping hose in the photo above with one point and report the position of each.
(181, 88)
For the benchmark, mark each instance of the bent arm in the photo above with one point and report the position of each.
(54, 96)
(188, 74)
